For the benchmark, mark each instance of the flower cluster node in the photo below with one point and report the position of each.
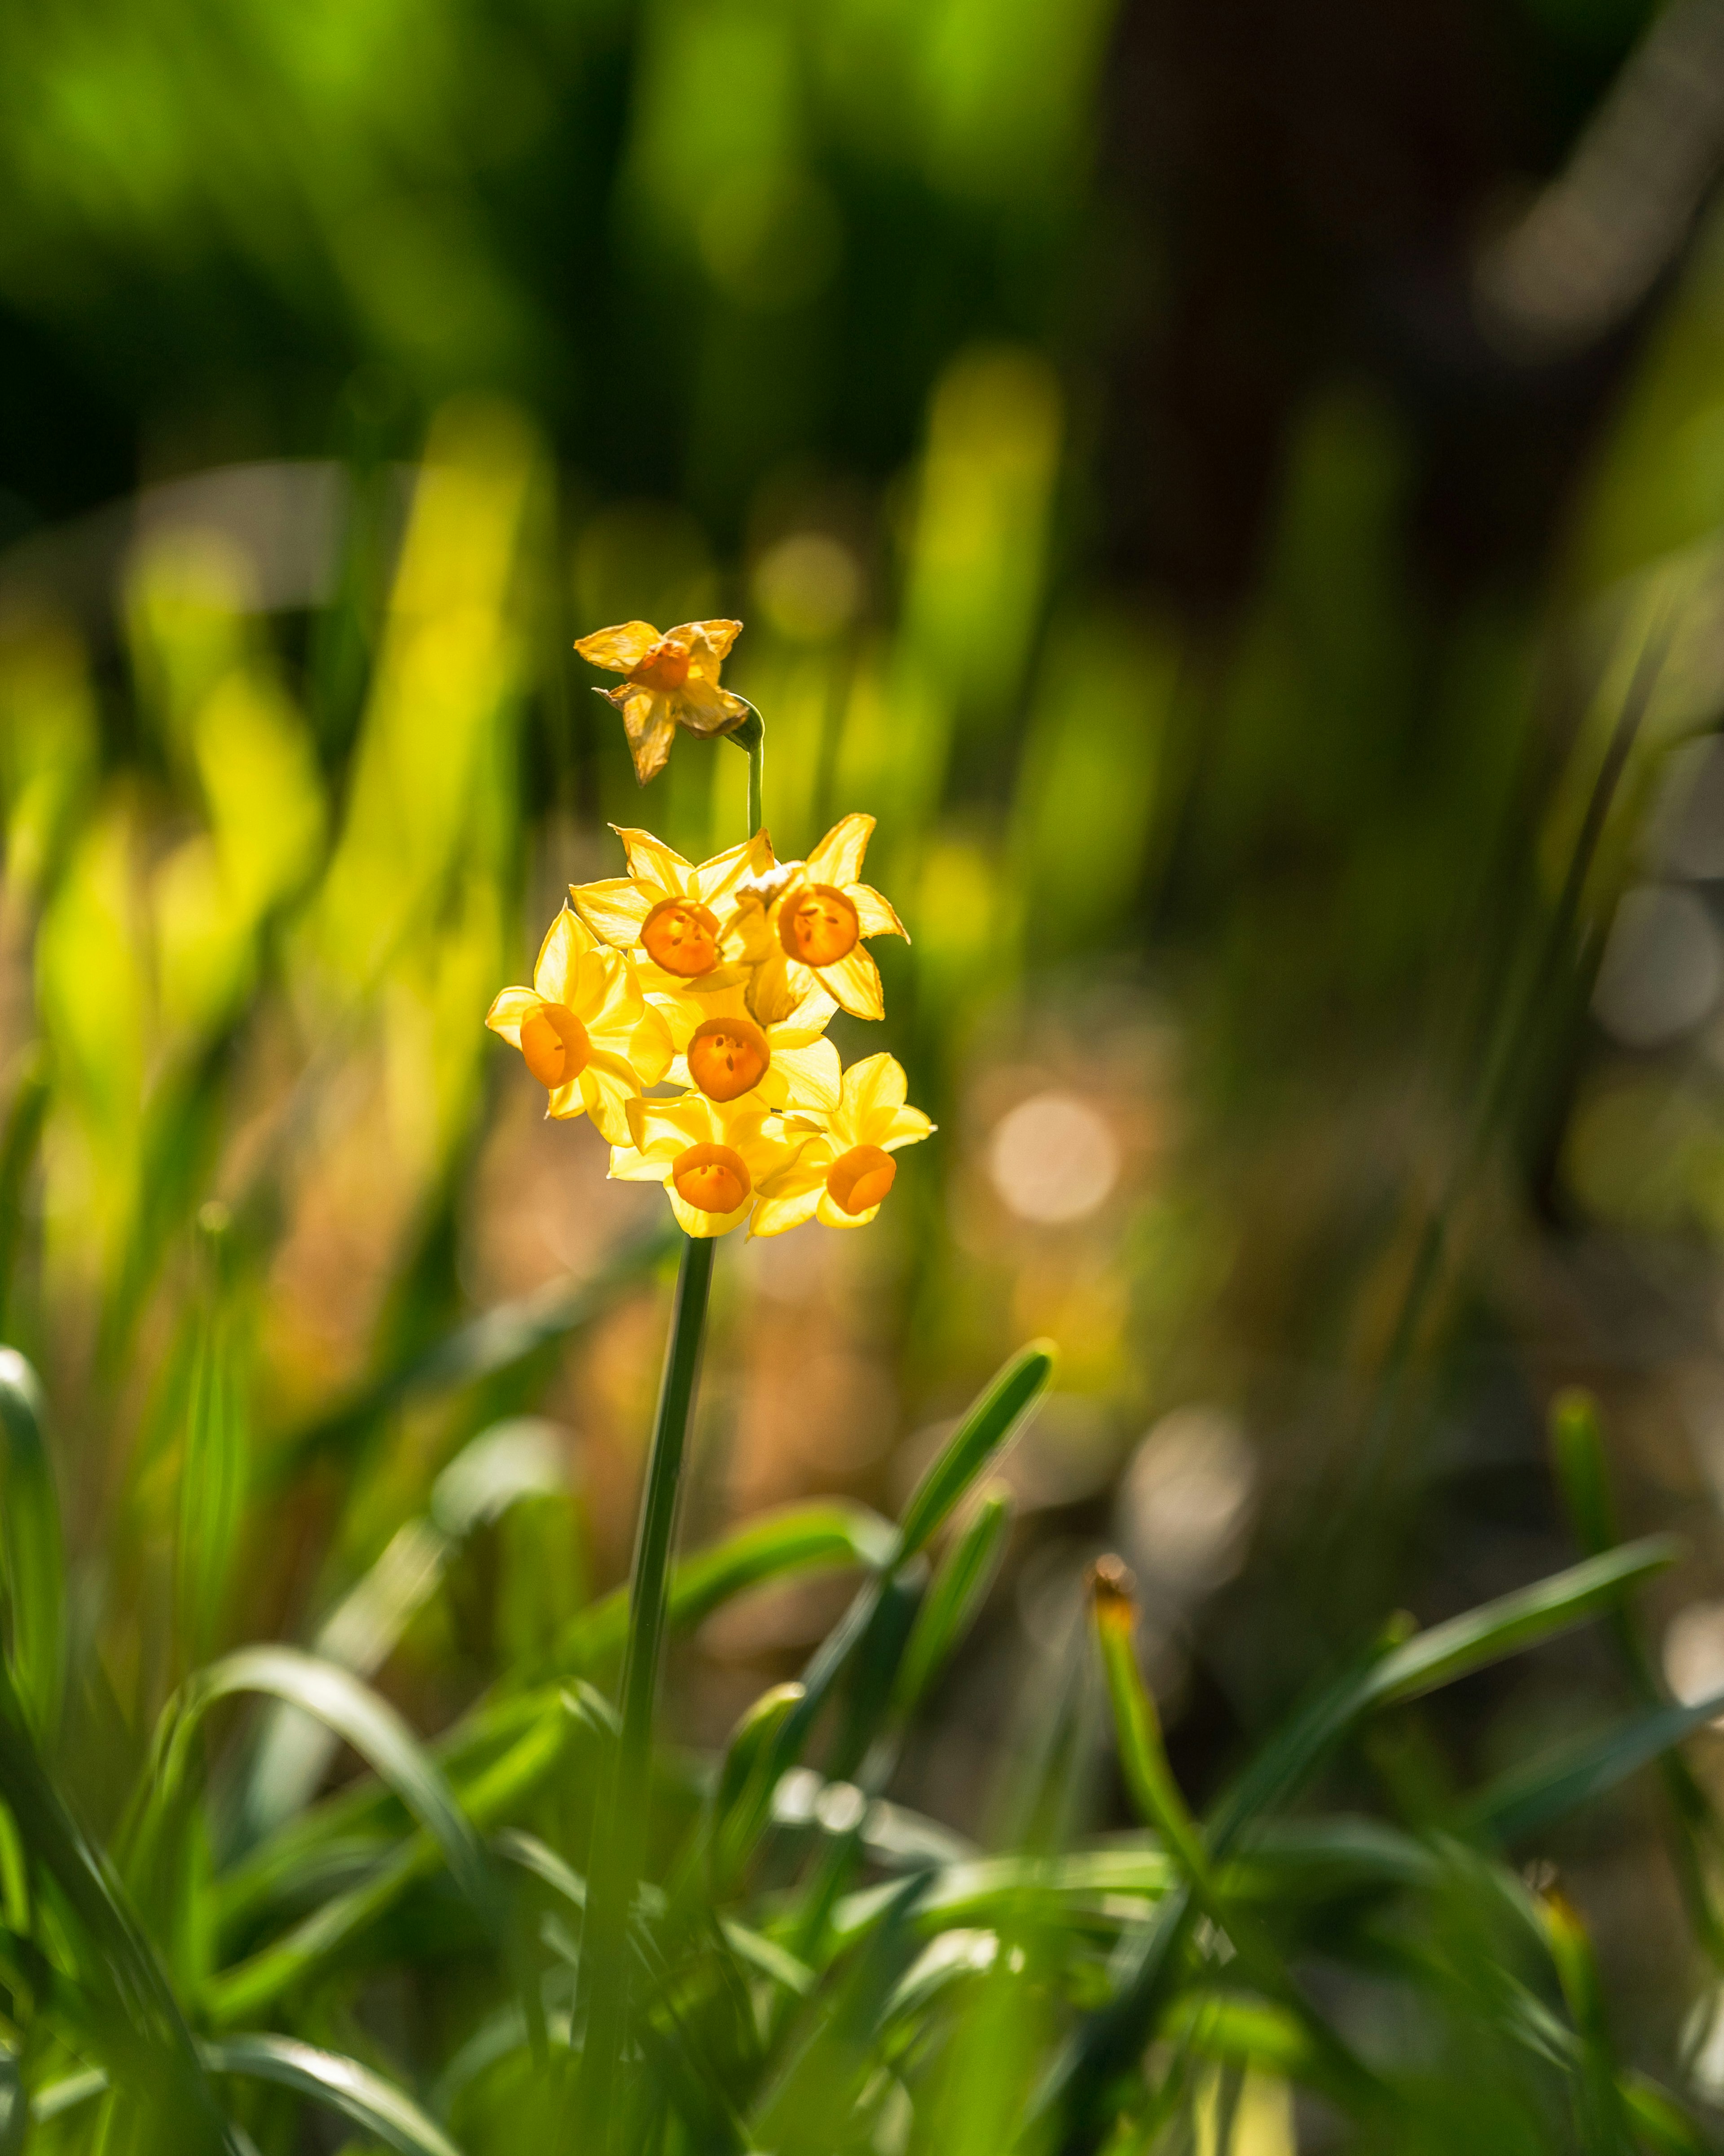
(720, 978)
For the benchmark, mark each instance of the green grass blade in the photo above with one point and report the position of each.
(213, 1467)
(30, 1536)
(336, 1697)
(955, 1597)
(341, 2085)
(18, 1150)
(974, 1444)
(1515, 1621)
(1531, 1796)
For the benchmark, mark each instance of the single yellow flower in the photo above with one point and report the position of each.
(672, 681)
(801, 926)
(717, 1161)
(724, 1053)
(669, 912)
(843, 1174)
(584, 1028)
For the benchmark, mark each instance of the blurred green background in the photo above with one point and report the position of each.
(1236, 490)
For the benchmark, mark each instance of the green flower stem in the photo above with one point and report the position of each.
(750, 734)
(619, 1832)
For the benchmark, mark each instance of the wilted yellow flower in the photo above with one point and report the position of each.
(843, 1174)
(801, 926)
(716, 1161)
(669, 912)
(584, 1028)
(724, 1053)
(672, 680)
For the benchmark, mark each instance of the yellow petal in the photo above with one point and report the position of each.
(855, 980)
(620, 649)
(612, 910)
(707, 643)
(704, 708)
(875, 1085)
(650, 725)
(777, 985)
(838, 858)
(774, 1216)
(718, 878)
(816, 1010)
(809, 1077)
(835, 1216)
(557, 971)
(908, 1127)
(650, 1047)
(506, 1012)
(608, 1085)
(875, 914)
(653, 863)
(693, 1222)
(565, 1102)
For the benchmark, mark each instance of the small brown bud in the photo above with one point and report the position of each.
(1113, 1591)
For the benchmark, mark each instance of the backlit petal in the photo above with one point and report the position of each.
(705, 708)
(650, 725)
(565, 1102)
(855, 980)
(874, 1085)
(612, 910)
(506, 1012)
(650, 1047)
(557, 971)
(774, 1216)
(811, 1074)
(619, 649)
(907, 1127)
(777, 985)
(653, 863)
(693, 1222)
(875, 914)
(718, 878)
(835, 1216)
(709, 641)
(608, 1085)
(838, 858)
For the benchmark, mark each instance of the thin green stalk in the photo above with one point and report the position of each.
(619, 1834)
(750, 735)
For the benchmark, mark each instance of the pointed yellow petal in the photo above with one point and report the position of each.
(566, 1101)
(875, 916)
(809, 1077)
(612, 910)
(907, 1127)
(776, 988)
(877, 1083)
(619, 649)
(651, 862)
(855, 980)
(774, 1216)
(650, 725)
(838, 858)
(816, 1010)
(693, 1222)
(506, 1012)
(557, 970)
(835, 1216)
(704, 708)
(718, 878)
(707, 640)
(650, 1047)
(608, 1085)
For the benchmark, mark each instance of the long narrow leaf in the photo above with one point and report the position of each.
(30, 1522)
(340, 2085)
(975, 1441)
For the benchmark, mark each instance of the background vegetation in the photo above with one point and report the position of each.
(1237, 494)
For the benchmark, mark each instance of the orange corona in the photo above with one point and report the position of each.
(666, 668)
(681, 937)
(818, 925)
(555, 1045)
(712, 1178)
(858, 1180)
(728, 1057)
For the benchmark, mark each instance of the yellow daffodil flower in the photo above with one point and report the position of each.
(717, 1161)
(672, 680)
(802, 926)
(725, 1054)
(584, 1028)
(669, 912)
(843, 1174)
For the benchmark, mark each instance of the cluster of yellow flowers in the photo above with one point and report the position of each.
(720, 978)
